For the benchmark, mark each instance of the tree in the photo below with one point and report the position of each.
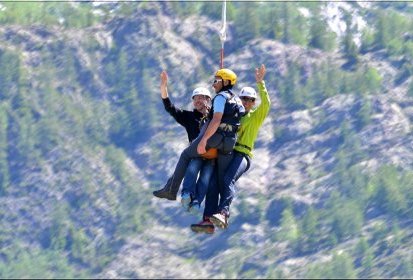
(340, 267)
(367, 39)
(363, 115)
(211, 9)
(247, 22)
(343, 216)
(289, 228)
(319, 35)
(77, 243)
(347, 219)
(287, 18)
(372, 80)
(382, 34)
(290, 93)
(310, 233)
(35, 263)
(9, 74)
(4, 165)
(349, 46)
(389, 195)
(274, 22)
(364, 256)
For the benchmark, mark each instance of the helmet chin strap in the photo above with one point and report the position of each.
(226, 87)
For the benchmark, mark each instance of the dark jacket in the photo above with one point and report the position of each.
(191, 120)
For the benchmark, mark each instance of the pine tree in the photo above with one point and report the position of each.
(372, 80)
(274, 22)
(342, 267)
(347, 220)
(389, 195)
(9, 74)
(4, 165)
(287, 18)
(364, 256)
(364, 113)
(290, 94)
(349, 46)
(247, 22)
(382, 35)
(289, 228)
(319, 36)
(310, 236)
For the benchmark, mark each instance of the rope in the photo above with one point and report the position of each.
(222, 32)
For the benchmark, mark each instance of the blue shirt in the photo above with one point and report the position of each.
(219, 104)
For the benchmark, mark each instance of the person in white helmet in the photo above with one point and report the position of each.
(193, 191)
(191, 120)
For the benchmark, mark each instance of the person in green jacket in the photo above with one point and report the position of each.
(217, 214)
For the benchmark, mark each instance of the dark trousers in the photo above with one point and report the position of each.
(219, 199)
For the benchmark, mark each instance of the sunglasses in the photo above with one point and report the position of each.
(247, 99)
(217, 81)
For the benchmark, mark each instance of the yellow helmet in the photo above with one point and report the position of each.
(227, 74)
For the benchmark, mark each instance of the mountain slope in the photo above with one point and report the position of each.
(84, 140)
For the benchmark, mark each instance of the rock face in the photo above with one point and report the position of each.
(295, 157)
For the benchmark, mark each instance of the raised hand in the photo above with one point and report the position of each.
(164, 78)
(164, 84)
(260, 73)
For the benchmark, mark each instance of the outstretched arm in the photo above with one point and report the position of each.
(262, 110)
(177, 113)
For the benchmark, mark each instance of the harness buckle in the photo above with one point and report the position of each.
(226, 127)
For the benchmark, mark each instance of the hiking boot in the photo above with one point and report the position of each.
(220, 220)
(165, 193)
(205, 226)
(185, 200)
(195, 208)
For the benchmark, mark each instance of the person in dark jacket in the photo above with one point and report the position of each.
(194, 190)
(190, 120)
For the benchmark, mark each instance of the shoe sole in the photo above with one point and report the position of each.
(218, 222)
(202, 229)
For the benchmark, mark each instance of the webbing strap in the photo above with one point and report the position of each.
(244, 146)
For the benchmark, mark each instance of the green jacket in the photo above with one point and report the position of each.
(251, 122)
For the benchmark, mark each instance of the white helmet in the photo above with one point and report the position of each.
(248, 92)
(201, 91)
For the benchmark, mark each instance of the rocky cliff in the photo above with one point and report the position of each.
(85, 193)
